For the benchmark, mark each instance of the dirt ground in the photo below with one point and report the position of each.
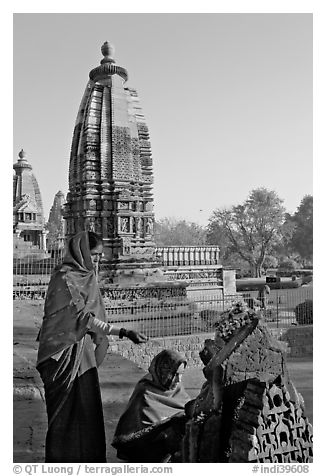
(118, 377)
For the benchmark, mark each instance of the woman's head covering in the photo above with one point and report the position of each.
(164, 367)
(78, 254)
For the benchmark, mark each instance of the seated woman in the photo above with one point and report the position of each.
(151, 428)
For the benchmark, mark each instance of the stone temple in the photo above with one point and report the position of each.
(56, 226)
(28, 217)
(110, 171)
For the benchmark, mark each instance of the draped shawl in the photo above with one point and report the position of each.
(73, 300)
(153, 401)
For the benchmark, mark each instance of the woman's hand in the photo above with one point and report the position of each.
(136, 337)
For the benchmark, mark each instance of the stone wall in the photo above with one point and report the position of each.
(142, 355)
(299, 340)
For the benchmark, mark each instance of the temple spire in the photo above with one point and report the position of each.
(110, 170)
(28, 219)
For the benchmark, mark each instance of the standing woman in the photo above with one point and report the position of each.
(72, 344)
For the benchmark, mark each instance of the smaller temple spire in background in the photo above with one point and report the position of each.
(28, 218)
(55, 224)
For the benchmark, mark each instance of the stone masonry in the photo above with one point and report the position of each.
(110, 171)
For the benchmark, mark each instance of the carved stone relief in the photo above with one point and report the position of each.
(149, 226)
(124, 225)
(123, 205)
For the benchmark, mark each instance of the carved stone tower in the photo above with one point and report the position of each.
(28, 217)
(110, 171)
(55, 224)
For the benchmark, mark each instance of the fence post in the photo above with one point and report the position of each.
(277, 308)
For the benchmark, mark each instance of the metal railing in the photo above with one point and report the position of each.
(285, 307)
(197, 312)
(201, 312)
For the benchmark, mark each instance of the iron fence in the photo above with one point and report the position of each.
(197, 312)
(285, 307)
(200, 312)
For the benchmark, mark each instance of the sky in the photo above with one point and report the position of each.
(227, 99)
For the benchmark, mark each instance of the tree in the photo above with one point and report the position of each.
(288, 227)
(270, 262)
(251, 230)
(302, 238)
(216, 235)
(172, 232)
(288, 265)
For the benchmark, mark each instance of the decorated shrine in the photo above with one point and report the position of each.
(248, 409)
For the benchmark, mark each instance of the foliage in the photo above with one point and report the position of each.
(304, 312)
(233, 260)
(250, 230)
(172, 232)
(208, 318)
(283, 249)
(288, 265)
(216, 235)
(302, 238)
(270, 262)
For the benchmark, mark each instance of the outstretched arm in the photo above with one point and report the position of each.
(103, 328)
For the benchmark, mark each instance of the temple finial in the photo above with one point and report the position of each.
(107, 68)
(107, 50)
(22, 154)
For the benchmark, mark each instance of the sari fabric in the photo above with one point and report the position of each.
(67, 361)
(150, 410)
(73, 299)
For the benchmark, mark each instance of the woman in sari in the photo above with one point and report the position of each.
(151, 428)
(72, 344)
